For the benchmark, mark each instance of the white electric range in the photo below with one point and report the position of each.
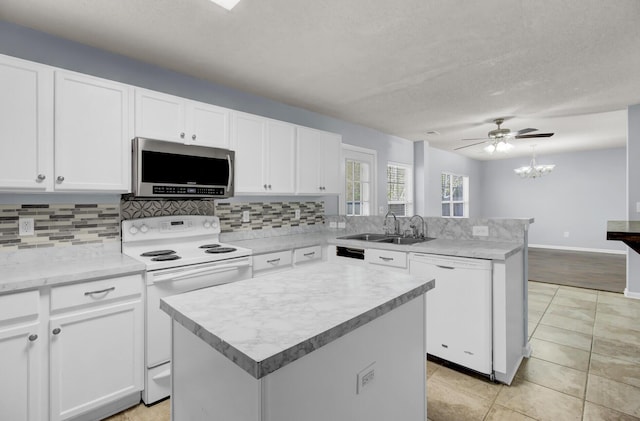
(181, 254)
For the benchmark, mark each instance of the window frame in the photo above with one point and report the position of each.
(451, 202)
(409, 187)
(358, 153)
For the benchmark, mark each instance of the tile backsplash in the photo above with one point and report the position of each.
(262, 215)
(60, 225)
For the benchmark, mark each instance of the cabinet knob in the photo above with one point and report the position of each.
(269, 186)
(60, 179)
(33, 337)
(56, 331)
(182, 135)
(193, 137)
(41, 177)
(265, 186)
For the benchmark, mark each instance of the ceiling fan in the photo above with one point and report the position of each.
(498, 139)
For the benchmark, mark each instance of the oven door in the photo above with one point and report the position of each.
(166, 282)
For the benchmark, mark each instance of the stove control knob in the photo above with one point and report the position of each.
(133, 230)
(207, 224)
(144, 228)
(214, 224)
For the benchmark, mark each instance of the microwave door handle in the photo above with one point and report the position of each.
(230, 172)
(196, 272)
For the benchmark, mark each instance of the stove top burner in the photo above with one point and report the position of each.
(164, 257)
(158, 253)
(220, 250)
(209, 246)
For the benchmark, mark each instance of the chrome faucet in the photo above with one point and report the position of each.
(396, 226)
(415, 229)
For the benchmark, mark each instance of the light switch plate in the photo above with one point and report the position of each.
(638, 207)
(333, 224)
(342, 225)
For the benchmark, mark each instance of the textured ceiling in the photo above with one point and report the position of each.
(404, 67)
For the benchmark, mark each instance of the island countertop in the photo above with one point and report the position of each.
(265, 323)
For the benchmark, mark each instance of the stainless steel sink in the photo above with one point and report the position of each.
(365, 237)
(405, 240)
(385, 238)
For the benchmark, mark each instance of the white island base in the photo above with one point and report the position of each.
(320, 386)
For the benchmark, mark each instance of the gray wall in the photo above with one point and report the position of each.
(36, 46)
(584, 191)
(633, 194)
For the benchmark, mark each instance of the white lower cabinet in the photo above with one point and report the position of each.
(307, 254)
(73, 351)
(271, 262)
(96, 349)
(21, 346)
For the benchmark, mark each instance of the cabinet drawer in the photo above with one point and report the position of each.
(271, 260)
(20, 304)
(307, 254)
(386, 257)
(85, 293)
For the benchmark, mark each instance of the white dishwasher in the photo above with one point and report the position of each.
(459, 309)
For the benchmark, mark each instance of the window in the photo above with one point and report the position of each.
(400, 189)
(455, 195)
(359, 164)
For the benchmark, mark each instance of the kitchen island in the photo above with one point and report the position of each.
(322, 341)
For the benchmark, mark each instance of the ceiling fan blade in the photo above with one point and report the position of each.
(532, 136)
(475, 138)
(468, 146)
(525, 131)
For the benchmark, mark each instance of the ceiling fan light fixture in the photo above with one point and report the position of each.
(491, 148)
(226, 4)
(504, 146)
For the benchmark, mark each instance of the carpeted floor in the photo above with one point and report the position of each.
(600, 271)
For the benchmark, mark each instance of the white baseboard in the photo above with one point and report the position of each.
(629, 294)
(545, 246)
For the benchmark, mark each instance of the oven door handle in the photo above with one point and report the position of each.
(169, 277)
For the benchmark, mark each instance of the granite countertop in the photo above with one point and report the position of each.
(265, 323)
(42, 269)
(283, 242)
(477, 249)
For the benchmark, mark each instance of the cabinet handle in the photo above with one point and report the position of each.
(309, 254)
(273, 260)
(56, 331)
(445, 267)
(193, 137)
(265, 186)
(100, 291)
(182, 135)
(386, 259)
(60, 179)
(41, 177)
(269, 186)
(33, 337)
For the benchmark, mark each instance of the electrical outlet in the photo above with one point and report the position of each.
(480, 231)
(25, 226)
(297, 214)
(245, 216)
(366, 377)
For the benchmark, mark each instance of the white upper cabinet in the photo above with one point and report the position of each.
(318, 159)
(265, 154)
(93, 134)
(171, 118)
(26, 125)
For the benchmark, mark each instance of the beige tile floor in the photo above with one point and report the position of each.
(585, 366)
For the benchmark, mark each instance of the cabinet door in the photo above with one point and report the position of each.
(96, 357)
(20, 367)
(309, 158)
(207, 125)
(160, 116)
(331, 146)
(92, 134)
(281, 157)
(26, 121)
(248, 141)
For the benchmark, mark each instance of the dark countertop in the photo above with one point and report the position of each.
(626, 231)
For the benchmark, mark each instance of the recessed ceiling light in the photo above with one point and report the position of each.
(227, 4)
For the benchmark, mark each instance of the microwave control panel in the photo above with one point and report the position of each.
(187, 191)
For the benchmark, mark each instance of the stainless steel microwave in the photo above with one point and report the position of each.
(168, 169)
